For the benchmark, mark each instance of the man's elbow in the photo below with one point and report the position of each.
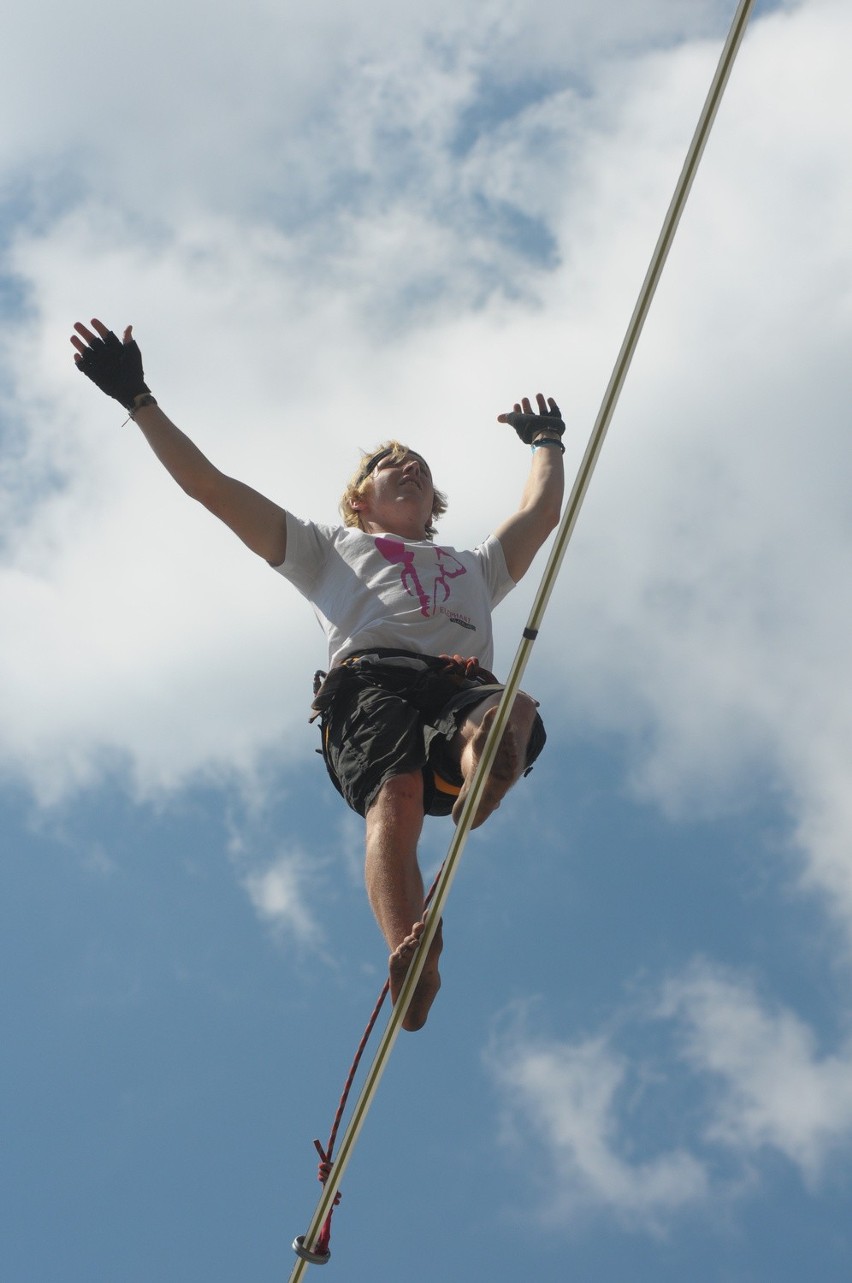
(549, 520)
(205, 487)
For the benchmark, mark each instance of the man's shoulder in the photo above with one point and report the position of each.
(306, 531)
(482, 551)
(319, 545)
(308, 546)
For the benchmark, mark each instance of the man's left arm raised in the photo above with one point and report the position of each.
(523, 534)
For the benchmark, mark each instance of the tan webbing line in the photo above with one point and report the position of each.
(569, 519)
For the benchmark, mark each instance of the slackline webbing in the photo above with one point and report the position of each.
(545, 590)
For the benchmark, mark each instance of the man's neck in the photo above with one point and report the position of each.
(412, 535)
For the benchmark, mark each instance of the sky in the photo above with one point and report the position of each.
(328, 226)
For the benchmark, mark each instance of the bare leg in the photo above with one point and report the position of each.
(395, 888)
(510, 759)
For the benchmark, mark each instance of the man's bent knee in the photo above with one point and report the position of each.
(521, 718)
(399, 792)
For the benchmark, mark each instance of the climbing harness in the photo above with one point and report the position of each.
(306, 1245)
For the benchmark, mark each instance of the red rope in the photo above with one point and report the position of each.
(326, 1155)
(321, 1247)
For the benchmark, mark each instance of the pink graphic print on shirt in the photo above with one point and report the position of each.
(447, 567)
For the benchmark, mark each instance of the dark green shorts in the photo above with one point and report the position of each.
(390, 713)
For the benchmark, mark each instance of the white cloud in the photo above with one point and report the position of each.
(717, 1076)
(708, 610)
(278, 895)
(776, 1089)
(568, 1100)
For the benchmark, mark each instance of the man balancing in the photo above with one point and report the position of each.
(404, 712)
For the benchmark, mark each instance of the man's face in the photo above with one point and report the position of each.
(401, 489)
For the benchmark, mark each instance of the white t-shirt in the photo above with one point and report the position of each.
(380, 590)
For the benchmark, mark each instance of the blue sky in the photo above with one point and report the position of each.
(327, 228)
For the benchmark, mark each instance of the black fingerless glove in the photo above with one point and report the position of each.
(528, 426)
(115, 367)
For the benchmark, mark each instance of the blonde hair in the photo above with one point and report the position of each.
(361, 481)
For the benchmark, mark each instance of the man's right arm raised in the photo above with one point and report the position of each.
(115, 366)
(260, 523)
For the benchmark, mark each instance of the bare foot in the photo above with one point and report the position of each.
(429, 983)
(504, 769)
